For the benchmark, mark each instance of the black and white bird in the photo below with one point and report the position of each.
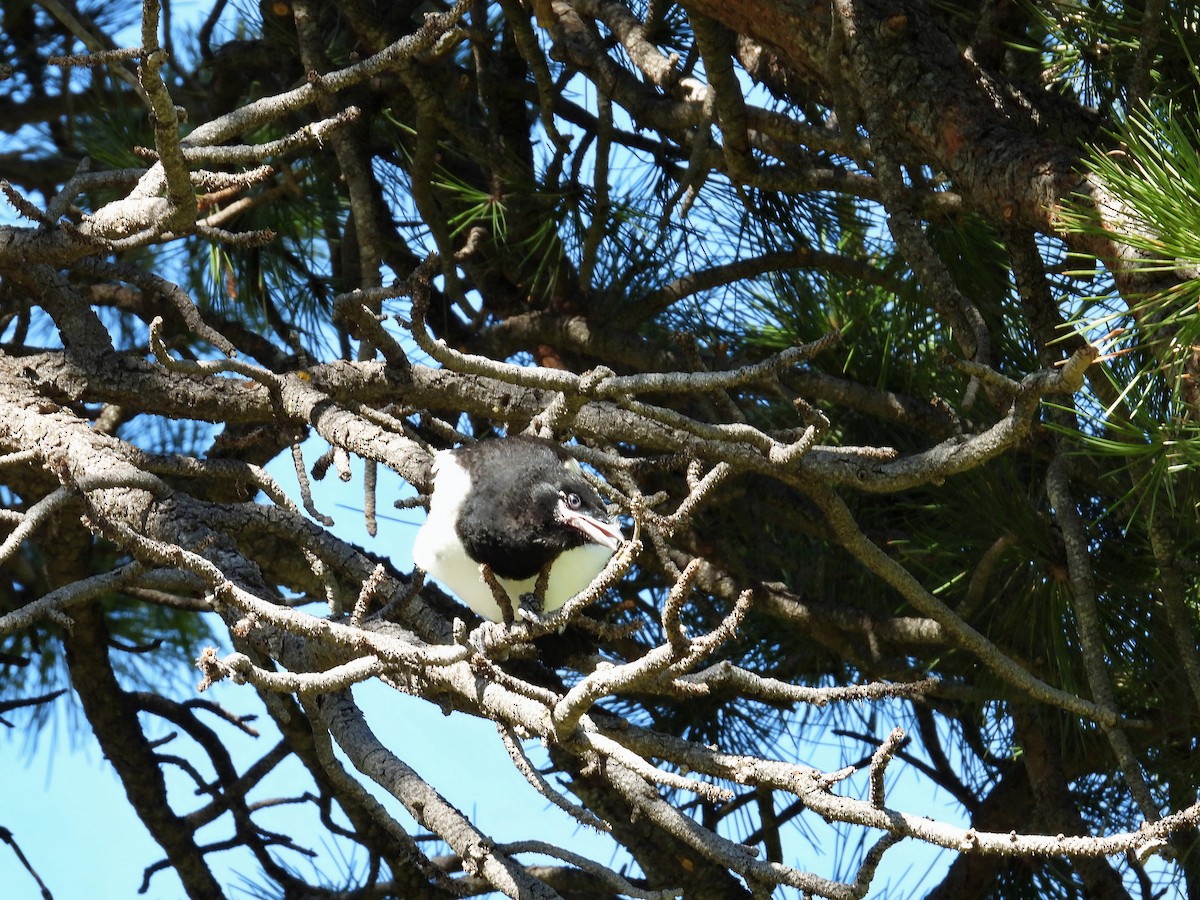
(515, 504)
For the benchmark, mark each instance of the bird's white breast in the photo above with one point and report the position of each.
(439, 551)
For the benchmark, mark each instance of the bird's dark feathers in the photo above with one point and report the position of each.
(533, 536)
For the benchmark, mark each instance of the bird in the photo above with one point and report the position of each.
(515, 505)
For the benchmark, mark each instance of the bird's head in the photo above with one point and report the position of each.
(569, 511)
(519, 506)
(517, 503)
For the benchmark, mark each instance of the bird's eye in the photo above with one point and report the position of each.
(574, 500)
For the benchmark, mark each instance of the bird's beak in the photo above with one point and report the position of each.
(601, 531)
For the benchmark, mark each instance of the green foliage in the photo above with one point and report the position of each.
(1141, 411)
(1155, 177)
(1087, 48)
